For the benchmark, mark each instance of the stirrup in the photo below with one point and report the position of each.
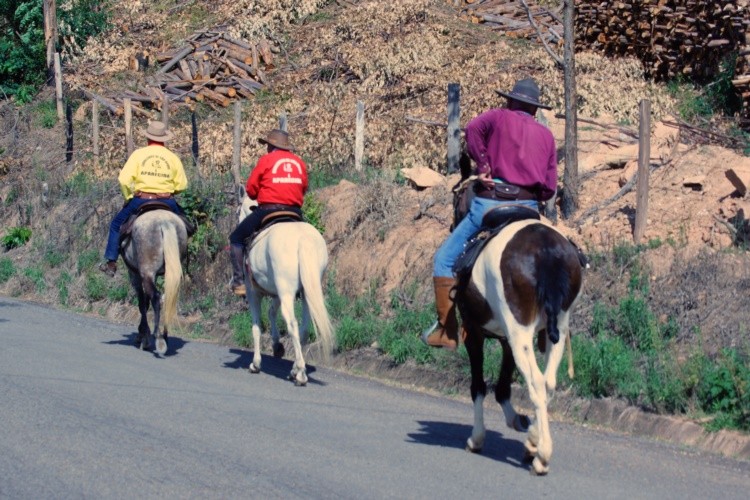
(429, 330)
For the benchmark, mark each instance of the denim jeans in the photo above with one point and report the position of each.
(113, 241)
(452, 247)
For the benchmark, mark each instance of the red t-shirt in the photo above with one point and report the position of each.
(279, 177)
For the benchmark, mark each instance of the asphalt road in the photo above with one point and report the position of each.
(85, 414)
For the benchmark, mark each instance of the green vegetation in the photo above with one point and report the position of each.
(628, 353)
(716, 97)
(22, 67)
(16, 237)
(7, 269)
(63, 290)
(46, 114)
(36, 276)
(312, 210)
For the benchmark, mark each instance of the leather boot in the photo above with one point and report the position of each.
(444, 333)
(237, 256)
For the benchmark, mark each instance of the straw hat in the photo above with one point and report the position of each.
(277, 138)
(527, 91)
(158, 132)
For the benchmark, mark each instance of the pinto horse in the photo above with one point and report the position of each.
(525, 281)
(284, 260)
(157, 244)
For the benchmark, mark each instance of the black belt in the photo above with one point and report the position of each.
(277, 206)
(504, 192)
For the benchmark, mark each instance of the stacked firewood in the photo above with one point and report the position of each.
(515, 18)
(211, 67)
(671, 37)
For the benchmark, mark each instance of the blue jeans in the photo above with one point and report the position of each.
(451, 248)
(113, 241)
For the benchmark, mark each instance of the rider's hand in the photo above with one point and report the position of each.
(486, 180)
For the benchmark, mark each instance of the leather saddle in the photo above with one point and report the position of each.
(271, 219)
(127, 226)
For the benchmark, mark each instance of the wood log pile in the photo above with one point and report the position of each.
(210, 67)
(694, 38)
(513, 18)
(671, 37)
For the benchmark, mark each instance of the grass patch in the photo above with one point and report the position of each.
(16, 237)
(63, 287)
(36, 276)
(7, 269)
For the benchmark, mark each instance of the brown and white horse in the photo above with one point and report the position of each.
(525, 281)
(157, 244)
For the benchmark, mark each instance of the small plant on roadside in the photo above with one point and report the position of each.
(119, 292)
(36, 276)
(16, 237)
(313, 210)
(46, 114)
(86, 260)
(241, 326)
(7, 269)
(95, 287)
(63, 290)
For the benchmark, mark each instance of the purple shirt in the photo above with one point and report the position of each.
(514, 147)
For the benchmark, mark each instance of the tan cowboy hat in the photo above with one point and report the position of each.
(527, 91)
(277, 138)
(158, 132)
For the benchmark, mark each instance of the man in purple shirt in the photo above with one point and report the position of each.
(509, 147)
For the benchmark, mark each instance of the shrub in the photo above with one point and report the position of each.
(87, 259)
(241, 325)
(95, 287)
(46, 114)
(313, 210)
(36, 276)
(7, 269)
(16, 237)
(63, 292)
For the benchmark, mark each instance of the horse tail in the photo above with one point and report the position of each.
(311, 274)
(552, 287)
(172, 272)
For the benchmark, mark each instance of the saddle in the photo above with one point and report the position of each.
(127, 226)
(494, 221)
(271, 219)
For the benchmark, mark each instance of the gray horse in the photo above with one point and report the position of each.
(157, 244)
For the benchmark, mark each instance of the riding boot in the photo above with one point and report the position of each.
(444, 333)
(237, 256)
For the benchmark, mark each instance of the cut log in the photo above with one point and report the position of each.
(215, 97)
(740, 179)
(110, 105)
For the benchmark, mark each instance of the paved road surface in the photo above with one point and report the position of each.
(85, 414)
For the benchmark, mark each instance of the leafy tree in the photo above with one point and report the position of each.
(22, 65)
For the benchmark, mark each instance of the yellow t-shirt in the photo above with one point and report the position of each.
(153, 169)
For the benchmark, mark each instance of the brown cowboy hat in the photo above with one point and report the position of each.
(158, 132)
(277, 138)
(527, 91)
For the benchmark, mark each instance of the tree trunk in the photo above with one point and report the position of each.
(569, 198)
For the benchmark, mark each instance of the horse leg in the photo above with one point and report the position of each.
(539, 442)
(513, 420)
(273, 316)
(554, 355)
(299, 370)
(474, 343)
(253, 302)
(153, 292)
(142, 339)
(304, 328)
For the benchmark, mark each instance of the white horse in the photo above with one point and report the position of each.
(284, 260)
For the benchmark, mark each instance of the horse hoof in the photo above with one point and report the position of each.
(520, 423)
(278, 350)
(161, 346)
(538, 468)
(300, 383)
(471, 447)
(253, 369)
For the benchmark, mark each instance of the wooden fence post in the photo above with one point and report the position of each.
(58, 87)
(128, 126)
(644, 161)
(236, 147)
(359, 138)
(95, 131)
(454, 126)
(283, 121)
(69, 133)
(195, 149)
(50, 35)
(165, 111)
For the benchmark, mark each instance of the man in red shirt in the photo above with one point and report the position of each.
(278, 183)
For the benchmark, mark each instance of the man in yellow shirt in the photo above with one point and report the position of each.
(151, 173)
